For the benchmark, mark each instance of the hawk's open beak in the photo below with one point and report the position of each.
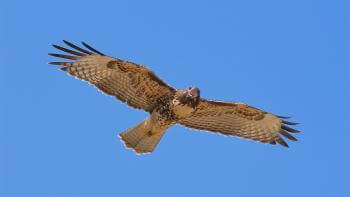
(194, 92)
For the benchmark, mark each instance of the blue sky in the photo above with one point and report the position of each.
(58, 135)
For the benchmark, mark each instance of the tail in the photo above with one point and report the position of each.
(141, 138)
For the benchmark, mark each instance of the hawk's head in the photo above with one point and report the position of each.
(190, 97)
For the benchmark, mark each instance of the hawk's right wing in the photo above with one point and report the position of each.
(131, 83)
(241, 120)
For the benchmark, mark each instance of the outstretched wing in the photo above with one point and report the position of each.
(131, 83)
(238, 119)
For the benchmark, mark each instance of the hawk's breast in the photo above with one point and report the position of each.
(182, 111)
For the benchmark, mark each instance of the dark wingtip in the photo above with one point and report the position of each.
(287, 135)
(64, 68)
(57, 63)
(56, 46)
(284, 127)
(77, 48)
(68, 50)
(284, 117)
(67, 43)
(64, 56)
(92, 49)
(282, 142)
(289, 123)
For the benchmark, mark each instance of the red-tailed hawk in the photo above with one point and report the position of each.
(140, 88)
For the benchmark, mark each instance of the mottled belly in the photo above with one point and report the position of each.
(183, 111)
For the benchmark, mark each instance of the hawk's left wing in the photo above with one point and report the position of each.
(241, 120)
(131, 83)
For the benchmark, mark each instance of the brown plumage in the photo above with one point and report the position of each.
(140, 88)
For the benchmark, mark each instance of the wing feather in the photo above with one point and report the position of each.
(238, 119)
(129, 82)
(77, 48)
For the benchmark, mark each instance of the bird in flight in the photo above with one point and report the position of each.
(140, 88)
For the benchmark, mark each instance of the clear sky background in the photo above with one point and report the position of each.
(58, 135)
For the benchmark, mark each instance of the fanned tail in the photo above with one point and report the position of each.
(141, 138)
